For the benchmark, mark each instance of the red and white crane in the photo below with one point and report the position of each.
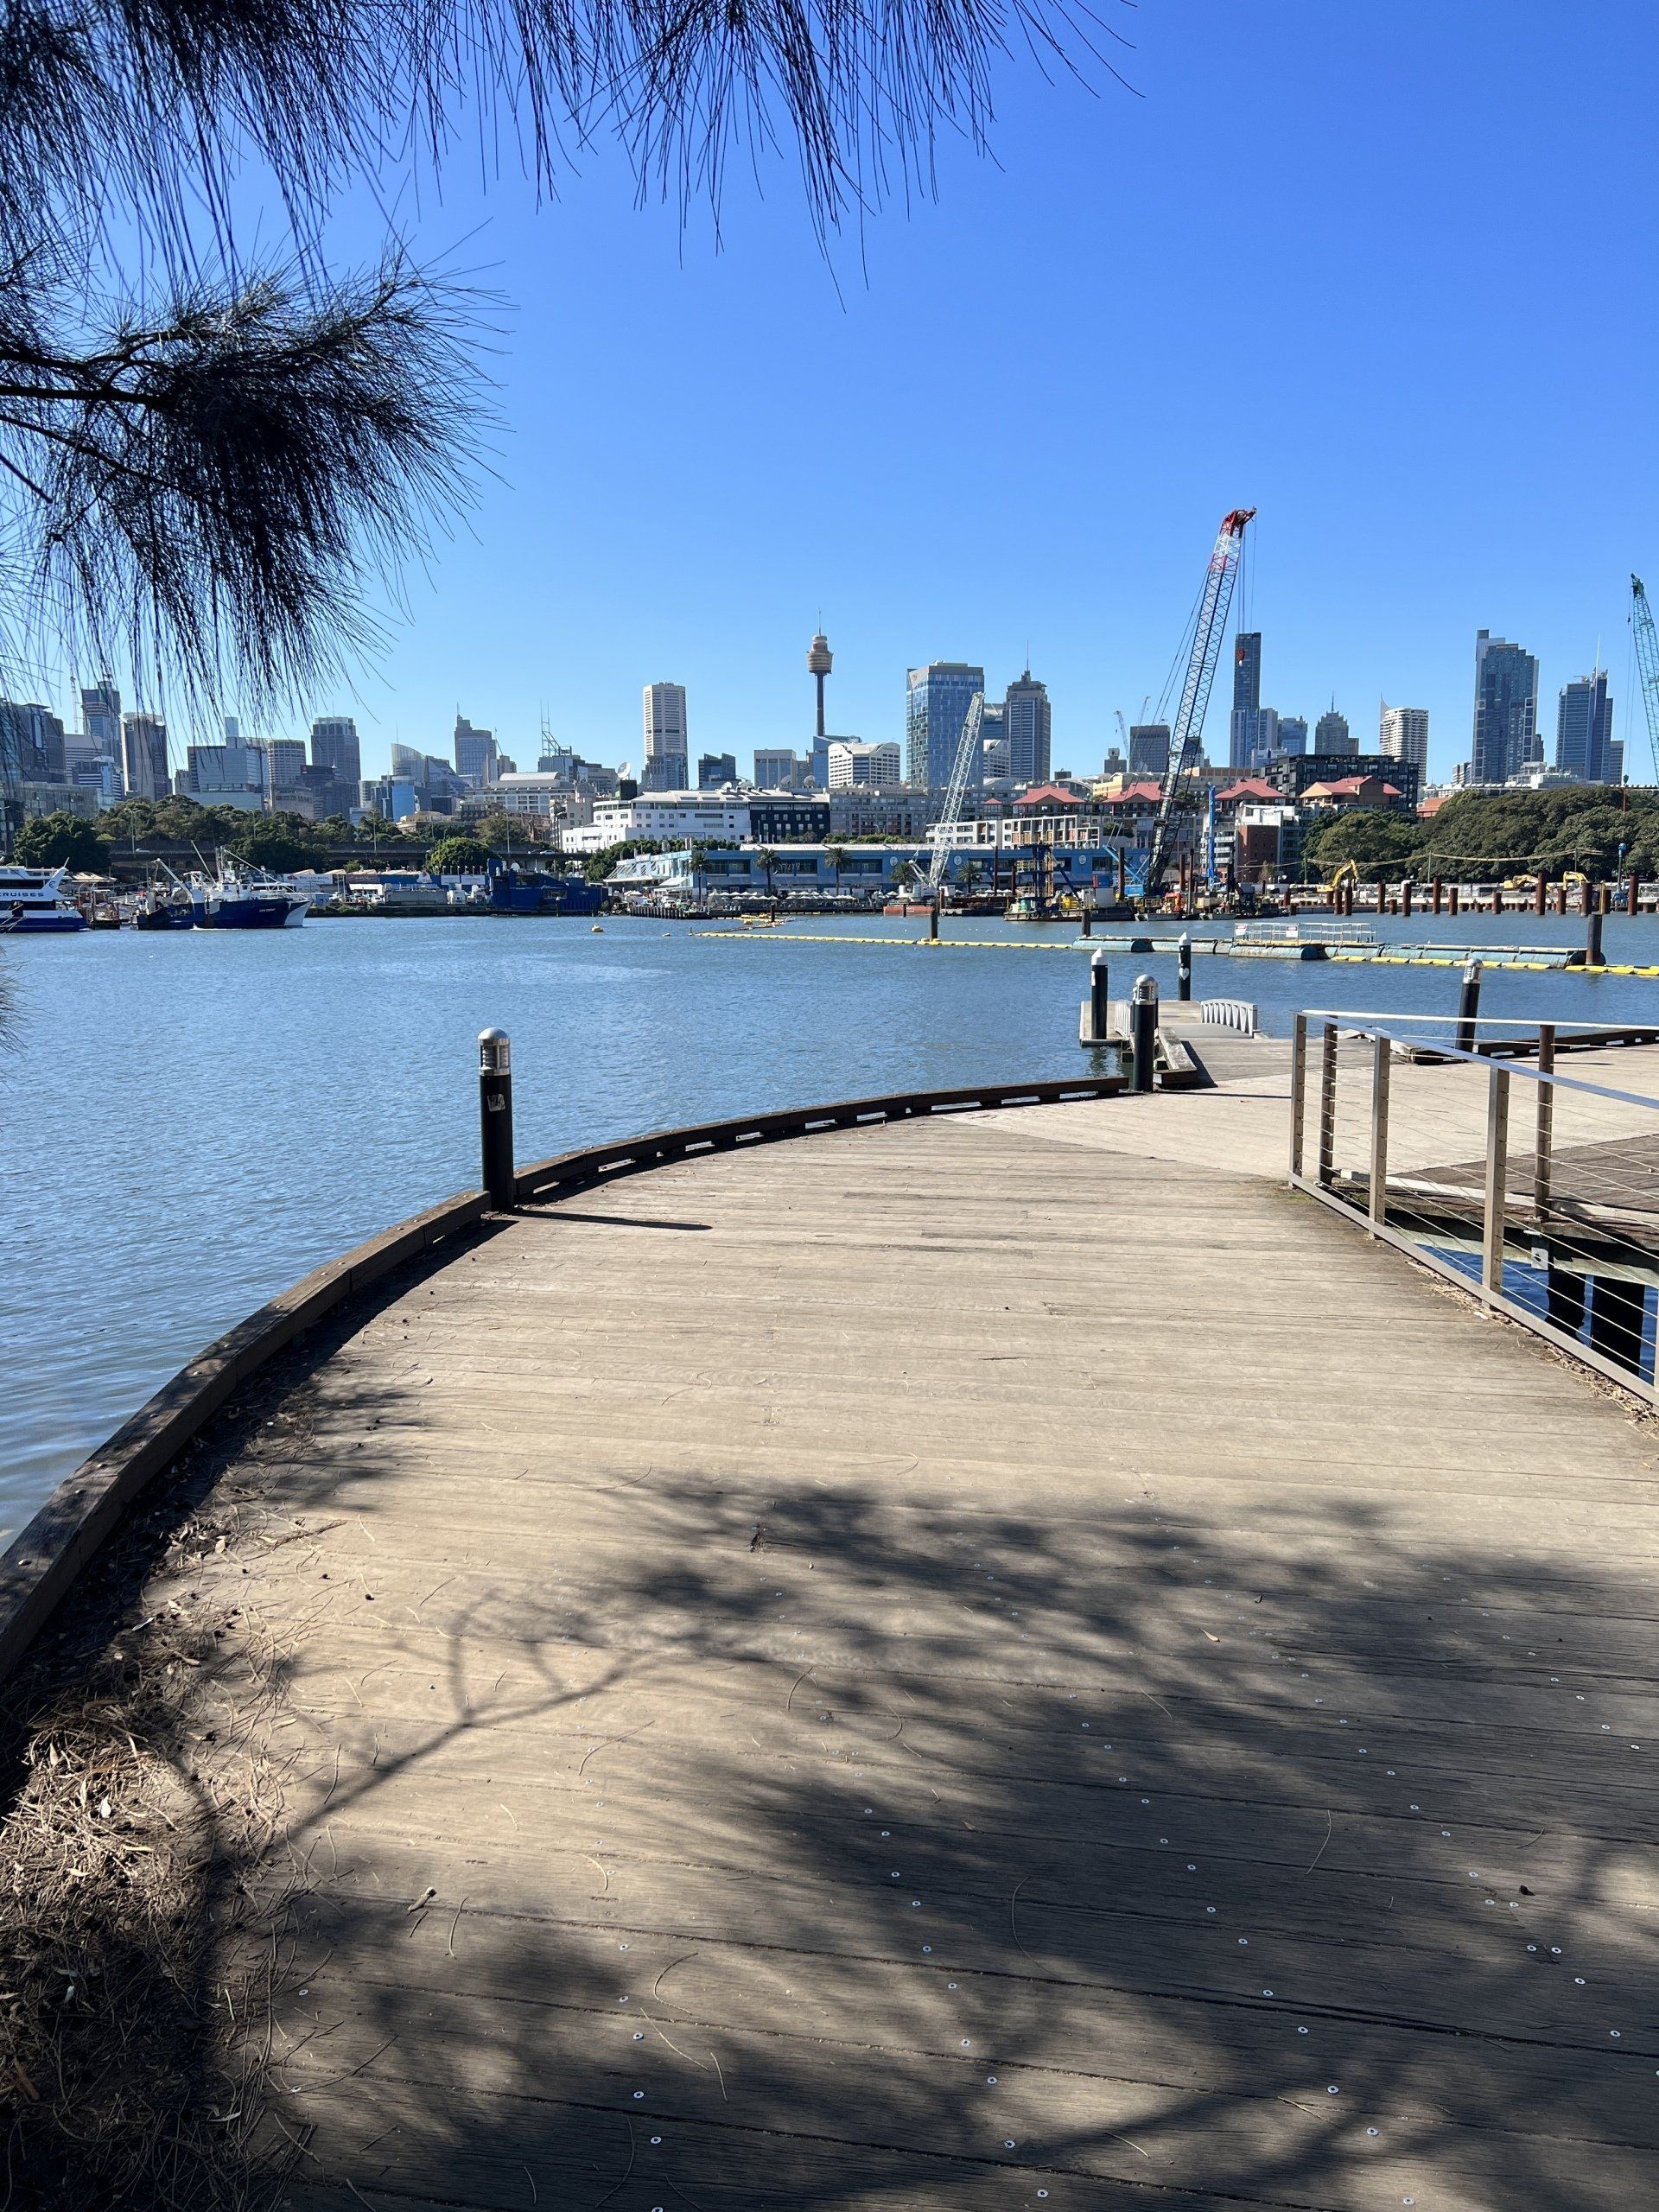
(1184, 741)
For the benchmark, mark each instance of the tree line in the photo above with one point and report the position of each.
(1599, 829)
(281, 842)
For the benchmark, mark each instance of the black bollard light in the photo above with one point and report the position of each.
(1143, 1032)
(1184, 969)
(495, 1116)
(1591, 935)
(1100, 1002)
(1088, 918)
(1468, 1006)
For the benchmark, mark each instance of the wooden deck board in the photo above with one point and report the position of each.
(982, 1603)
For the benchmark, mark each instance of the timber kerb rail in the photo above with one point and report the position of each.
(39, 1567)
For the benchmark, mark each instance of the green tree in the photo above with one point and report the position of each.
(501, 833)
(598, 865)
(1377, 842)
(63, 840)
(768, 861)
(835, 852)
(458, 856)
(279, 842)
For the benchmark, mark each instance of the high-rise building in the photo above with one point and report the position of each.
(1506, 710)
(1148, 748)
(335, 746)
(937, 703)
(1027, 721)
(1241, 748)
(1403, 736)
(1584, 731)
(777, 768)
(33, 742)
(667, 757)
(714, 769)
(100, 717)
(143, 756)
(1332, 734)
(851, 763)
(1292, 735)
(475, 754)
(284, 766)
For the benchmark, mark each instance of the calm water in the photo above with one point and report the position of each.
(188, 1123)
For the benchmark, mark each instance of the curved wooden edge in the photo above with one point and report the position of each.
(39, 1569)
(575, 1170)
(40, 1566)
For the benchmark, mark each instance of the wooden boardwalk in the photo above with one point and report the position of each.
(954, 1665)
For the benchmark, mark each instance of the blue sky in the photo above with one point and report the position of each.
(1384, 272)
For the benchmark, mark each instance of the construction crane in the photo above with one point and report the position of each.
(1122, 731)
(1208, 632)
(956, 791)
(1647, 660)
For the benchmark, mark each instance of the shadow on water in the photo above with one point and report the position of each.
(832, 1853)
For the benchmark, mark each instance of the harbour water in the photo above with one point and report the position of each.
(188, 1122)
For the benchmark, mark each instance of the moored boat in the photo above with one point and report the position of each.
(234, 900)
(32, 903)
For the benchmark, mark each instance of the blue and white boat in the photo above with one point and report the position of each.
(248, 899)
(32, 903)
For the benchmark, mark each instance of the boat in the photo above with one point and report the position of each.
(248, 899)
(32, 903)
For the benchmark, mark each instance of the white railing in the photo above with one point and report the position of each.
(1306, 929)
(1535, 1192)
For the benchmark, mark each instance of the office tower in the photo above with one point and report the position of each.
(1028, 725)
(1291, 735)
(667, 757)
(714, 769)
(100, 717)
(1265, 739)
(851, 763)
(1403, 736)
(406, 763)
(475, 754)
(819, 661)
(284, 759)
(776, 768)
(143, 756)
(1148, 748)
(1584, 731)
(1506, 710)
(1247, 699)
(1332, 734)
(34, 743)
(937, 703)
(335, 746)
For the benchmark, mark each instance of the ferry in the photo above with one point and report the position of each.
(32, 903)
(252, 900)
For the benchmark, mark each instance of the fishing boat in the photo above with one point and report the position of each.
(32, 903)
(246, 899)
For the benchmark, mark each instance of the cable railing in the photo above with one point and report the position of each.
(1460, 1141)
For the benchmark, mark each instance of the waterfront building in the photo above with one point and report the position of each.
(667, 816)
(851, 762)
(1584, 733)
(667, 753)
(100, 717)
(1291, 774)
(1028, 724)
(1403, 736)
(1506, 739)
(714, 769)
(778, 768)
(1148, 748)
(143, 756)
(476, 761)
(335, 746)
(875, 810)
(1247, 699)
(937, 702)
(1332, 734)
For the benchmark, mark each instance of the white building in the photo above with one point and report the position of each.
(852, 762)
(667, 745)
(1403, 736)
(701, 818)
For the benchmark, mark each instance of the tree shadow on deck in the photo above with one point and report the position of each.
(830, 1849)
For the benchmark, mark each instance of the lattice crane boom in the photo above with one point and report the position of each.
(1207, 635)
(1647, 661)
(956, 791)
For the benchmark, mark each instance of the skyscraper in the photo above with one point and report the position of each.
(667, 757)
(936, 706)
(1331, 732)
(1242, 745)
(1403, 736)
(143, 756)
(100, 717)
(475, 754)
(714, 769)
(335, 746)
(1584, 731)
(1291, 736)
(1506, 710)
(1028, 725)
(1148, 748)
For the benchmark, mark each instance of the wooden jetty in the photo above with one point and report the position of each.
(996, 1660)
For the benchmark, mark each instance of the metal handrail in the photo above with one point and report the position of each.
(1546, 1217)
